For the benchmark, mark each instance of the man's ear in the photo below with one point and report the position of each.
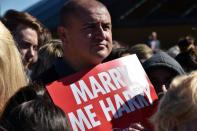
(63, 35)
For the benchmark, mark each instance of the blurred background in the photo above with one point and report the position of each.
(133, 20)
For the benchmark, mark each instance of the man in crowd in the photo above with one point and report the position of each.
(86, 32)
(153, 41)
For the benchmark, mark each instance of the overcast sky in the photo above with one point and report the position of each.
(15, 4)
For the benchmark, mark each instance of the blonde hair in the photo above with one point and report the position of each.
(12, 75)
(142, 51)
(179, 105)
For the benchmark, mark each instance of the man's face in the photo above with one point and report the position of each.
(89, 36)
(27, 40)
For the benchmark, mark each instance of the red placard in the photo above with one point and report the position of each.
(109, 96)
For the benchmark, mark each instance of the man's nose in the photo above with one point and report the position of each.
(100, 33)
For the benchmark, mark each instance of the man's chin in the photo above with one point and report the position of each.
(99, 57)
(103, 53)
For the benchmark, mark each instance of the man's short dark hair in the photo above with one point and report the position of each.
(71, 8)
(66, 11)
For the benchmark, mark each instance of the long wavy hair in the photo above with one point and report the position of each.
(12, 75)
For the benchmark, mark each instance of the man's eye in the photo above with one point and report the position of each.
(106, 27)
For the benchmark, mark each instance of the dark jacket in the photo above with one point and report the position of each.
(164, 60)
(59, 70)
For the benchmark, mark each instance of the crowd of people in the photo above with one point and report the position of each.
(31, 58)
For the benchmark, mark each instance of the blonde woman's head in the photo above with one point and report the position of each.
(179, 106)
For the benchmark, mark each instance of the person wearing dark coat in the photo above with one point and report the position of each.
(86, 33)
(161, 69)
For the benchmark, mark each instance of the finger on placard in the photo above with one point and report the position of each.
(136, 127)
(164, 88)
